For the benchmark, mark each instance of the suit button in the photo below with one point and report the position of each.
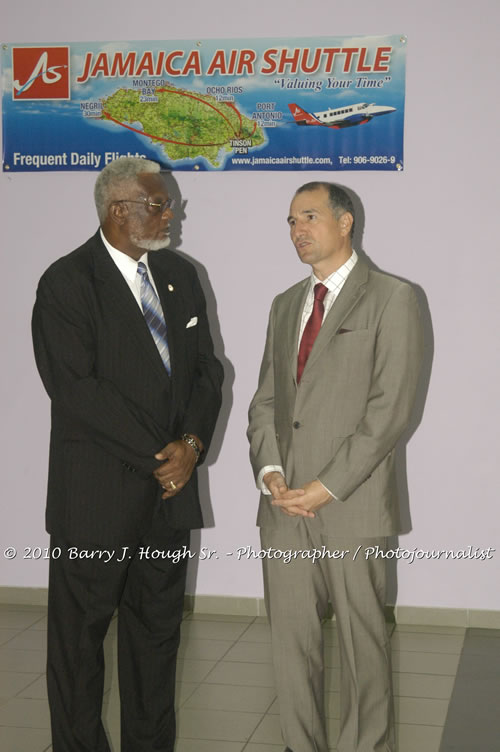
(296, 424)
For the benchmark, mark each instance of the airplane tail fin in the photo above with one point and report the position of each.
(302, 117)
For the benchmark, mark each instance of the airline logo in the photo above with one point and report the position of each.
(40, 73)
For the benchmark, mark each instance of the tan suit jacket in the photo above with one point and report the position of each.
(342, 422)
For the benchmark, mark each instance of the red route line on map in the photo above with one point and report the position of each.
(191, 96)
(181, 143)
(156, 138)
(229, 104)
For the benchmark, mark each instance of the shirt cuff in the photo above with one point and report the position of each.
(327, 489)
(268, 469)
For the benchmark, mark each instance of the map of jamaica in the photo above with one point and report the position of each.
(188, 124)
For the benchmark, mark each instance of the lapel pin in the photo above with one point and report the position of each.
(170, 288)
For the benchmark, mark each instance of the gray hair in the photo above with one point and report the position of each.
(110, 182)
(338, 198)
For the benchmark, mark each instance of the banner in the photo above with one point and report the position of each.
(329, 103)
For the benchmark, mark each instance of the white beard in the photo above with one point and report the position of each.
(154, 244)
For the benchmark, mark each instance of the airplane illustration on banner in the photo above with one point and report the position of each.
(342, 117)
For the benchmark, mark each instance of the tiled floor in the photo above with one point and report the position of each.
(225, 695)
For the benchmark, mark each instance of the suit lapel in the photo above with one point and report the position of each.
(351, 293)
(294, 316)
(169, 288)
(117, 294)
(177, 307)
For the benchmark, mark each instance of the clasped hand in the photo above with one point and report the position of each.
(178, 462)
(295, 502)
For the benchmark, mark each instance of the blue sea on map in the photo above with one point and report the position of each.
(63, 129)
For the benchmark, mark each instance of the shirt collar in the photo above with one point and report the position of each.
(126, 264)
(338, 277)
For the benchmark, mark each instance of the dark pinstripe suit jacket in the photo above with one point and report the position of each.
(113, 403)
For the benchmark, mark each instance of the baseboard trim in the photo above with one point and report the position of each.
(407, 615)
(24, 596)
(225, 604)
(447, 617)
(238, 606)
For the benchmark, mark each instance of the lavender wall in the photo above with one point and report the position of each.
(434, 224)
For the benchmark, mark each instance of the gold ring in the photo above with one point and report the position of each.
(172, 485)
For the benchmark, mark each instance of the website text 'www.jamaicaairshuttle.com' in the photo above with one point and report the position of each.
(256, 161)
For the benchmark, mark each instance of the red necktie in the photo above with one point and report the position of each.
(311, 328)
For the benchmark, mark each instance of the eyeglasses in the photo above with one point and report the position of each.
(151, 206)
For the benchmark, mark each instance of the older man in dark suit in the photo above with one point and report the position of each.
(335, 393)
(123, 347)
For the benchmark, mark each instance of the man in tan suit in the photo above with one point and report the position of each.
(335, 393)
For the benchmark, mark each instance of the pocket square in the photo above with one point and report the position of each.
(192, 322)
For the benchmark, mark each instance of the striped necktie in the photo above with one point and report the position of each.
(151, 308)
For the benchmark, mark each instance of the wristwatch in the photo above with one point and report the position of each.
(192, 443)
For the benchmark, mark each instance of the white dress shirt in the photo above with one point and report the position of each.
(334, 283)
(128, 267)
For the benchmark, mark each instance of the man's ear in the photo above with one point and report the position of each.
(346, 221)
(118, 212)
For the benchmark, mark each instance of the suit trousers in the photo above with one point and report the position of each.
(297, 593)
(147, 588)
